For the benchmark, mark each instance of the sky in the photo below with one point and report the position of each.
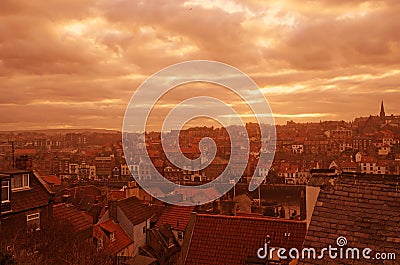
(76, 64)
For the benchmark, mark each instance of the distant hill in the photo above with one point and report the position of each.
(63, 131)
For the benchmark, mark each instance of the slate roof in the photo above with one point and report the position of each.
(38, 194)
(135, 210)
(176, 216)
(363, 209)
(217, 239)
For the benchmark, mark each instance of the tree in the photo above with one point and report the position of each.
(6, 258)
(56, 243)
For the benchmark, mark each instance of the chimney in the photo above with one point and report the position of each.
(67, 199)
(113, 209)
(215, 206)
(303, 204)
(282, 212)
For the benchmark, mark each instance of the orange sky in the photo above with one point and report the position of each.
(75, 64)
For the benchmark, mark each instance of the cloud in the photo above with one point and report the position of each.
(77, 63)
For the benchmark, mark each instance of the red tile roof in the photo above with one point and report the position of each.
(121, 241)
(80, 220)
(217, 239)
(135, 210)
(176, 216)
(52, 180)
(368, 159)
(25, 152)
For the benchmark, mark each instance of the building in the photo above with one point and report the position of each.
(133, 217)
(111, 238)
(382, 113)
(26, 202)
(178, 218)
(161, 245)
(364, 209)
(368, 164)
(104, 166)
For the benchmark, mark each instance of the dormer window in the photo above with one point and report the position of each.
(112, 237)
(20, 182)
(5, 191)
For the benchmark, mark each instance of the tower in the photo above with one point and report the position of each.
(382, 113)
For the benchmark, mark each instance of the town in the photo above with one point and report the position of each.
(366, 145)
(64, 191)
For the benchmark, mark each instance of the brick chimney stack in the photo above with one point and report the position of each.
(113, 209)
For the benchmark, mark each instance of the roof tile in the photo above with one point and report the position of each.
(231, 240)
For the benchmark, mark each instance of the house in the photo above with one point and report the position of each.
(368, 164)
(133, 217)
(344, 166)
(348, 166)
(364, 209)
(178, 218)
(26, 202)
(111, 238)
(297, 148)
(235, 240)
(381, 167)
(263, 170)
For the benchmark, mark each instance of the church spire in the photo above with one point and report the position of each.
(382, 113)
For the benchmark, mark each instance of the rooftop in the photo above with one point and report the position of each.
(176, 216)
(121, 239)
(80, 220)
(52, 180)
(37, 195)
(233, 239)
(135, 210)
(363, 208)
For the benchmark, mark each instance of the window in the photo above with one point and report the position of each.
(33, 220)
(144, 229)
(100, 243)
(20, 181)
(112, 237)
(5, 192)
(180, 235)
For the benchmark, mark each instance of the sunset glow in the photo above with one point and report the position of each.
(77, 64)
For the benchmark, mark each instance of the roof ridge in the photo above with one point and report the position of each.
(250, 218)
(42, 182)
